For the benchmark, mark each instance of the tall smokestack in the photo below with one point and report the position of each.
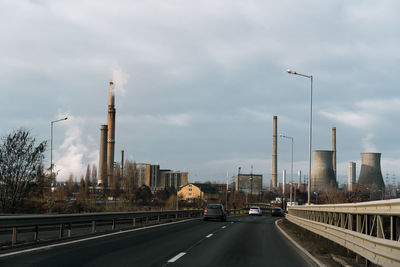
(122, 163)
(351, 179)
(299, 179)
(274, 180)
(334, 150)
(103, 155)
(110, 134)
(283, 182)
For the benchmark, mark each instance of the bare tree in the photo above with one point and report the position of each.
(129, 180)
(20, 158)
(70, 185)
(94, 175)
(87, 181)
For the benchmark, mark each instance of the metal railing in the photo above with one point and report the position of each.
(26, 228)
(90, 223)
(370, 229)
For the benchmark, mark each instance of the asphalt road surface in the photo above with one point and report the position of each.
(241, 241)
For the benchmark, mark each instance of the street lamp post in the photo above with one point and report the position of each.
(291, 166)
(310, 131)
(51, 162)
(226, 194)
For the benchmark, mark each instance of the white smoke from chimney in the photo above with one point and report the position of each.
(120, 79)
(367, 143)
(74, 154)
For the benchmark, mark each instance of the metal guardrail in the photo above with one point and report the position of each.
(370, 229)
(65, 223)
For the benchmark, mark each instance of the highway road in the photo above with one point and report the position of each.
(241, 241)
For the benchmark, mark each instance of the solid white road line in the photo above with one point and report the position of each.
(85, 239)
(298, 245)
(174, 259)
(210, 235)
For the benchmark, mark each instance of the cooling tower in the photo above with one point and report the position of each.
(110, 134)
(351, 178)
(323, 176)
(370, 172)
(103, 155)
(334, 151)
(274, 180)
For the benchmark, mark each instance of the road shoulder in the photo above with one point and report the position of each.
(307, 255)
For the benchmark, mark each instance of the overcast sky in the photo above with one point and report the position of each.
(198, 82)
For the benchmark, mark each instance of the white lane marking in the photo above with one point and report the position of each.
(210, 235)
(86, 239)
(223, 227)
(231, 222)
(174, 259)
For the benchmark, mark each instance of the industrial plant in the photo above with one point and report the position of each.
(145, 174)
(324, 171)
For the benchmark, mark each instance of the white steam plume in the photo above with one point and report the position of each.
(367, 143)
(73, 155)
(120, 79)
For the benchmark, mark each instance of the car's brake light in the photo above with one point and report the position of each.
(205, 211)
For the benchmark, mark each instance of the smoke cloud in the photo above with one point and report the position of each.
(73, 155)
(120, 79)
(367, 143)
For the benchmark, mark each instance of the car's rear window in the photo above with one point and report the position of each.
(216, 206)
(277, 209)
(254, 208)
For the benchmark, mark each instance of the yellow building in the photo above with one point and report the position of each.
(192, 191)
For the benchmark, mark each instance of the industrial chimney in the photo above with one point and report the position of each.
(122, 163)
(110, 134)
(351, 179)
(103, 155)
(323, 176)
(370, 172)
(274, 180)
(299, 179)
(283, 182)
(334, 150)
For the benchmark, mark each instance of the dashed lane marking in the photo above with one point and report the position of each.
(174, 259)
(223, 227)
(210, 235)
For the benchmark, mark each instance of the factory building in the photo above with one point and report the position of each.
(351, 178)
(156, 178)
(175, 179)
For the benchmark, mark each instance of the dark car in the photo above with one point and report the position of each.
(277, 212)
(214, 211)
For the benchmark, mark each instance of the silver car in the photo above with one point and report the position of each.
(255, 211)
